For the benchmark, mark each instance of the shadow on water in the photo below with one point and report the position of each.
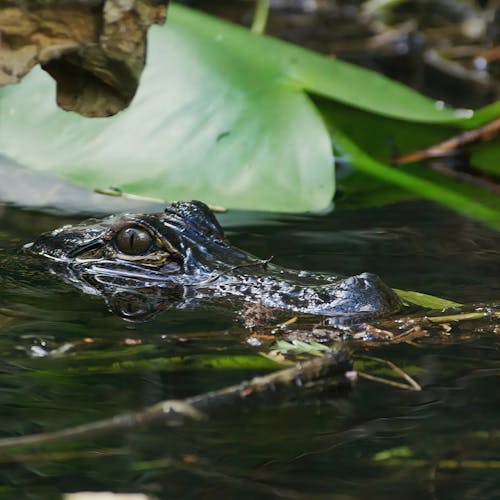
(65, 359)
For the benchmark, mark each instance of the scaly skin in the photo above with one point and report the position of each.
(189, 261)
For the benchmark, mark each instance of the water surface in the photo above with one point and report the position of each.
(65, 360)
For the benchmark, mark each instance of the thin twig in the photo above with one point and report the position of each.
(484, 133)
(385, 381)
(414, 385)
(117, 192)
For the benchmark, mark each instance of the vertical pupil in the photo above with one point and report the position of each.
(131, 233)
(133, 241)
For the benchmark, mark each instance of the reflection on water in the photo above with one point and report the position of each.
(65, 359)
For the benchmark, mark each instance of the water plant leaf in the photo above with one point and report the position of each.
(303, 69)
(174, 363)
(205, 124)
(425, 300)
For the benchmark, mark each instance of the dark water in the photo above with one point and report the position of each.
(65, 360)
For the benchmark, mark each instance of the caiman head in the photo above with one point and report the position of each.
(180, 257)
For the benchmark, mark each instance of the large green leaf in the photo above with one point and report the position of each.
(204, 124)
(303, 69)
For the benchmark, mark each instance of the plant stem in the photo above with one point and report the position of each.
(463, 316)
(260, 16)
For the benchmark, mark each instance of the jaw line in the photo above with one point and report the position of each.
(122, 270)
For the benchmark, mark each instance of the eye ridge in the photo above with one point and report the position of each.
(133, 240)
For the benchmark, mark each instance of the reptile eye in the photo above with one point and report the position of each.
(133, 240)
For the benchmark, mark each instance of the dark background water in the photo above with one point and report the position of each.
(65, 359)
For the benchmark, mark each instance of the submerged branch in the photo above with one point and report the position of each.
(288, 381)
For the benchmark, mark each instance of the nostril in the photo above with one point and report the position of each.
(351, 280)
(368, 276)
(358, 282)
(369, 280)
